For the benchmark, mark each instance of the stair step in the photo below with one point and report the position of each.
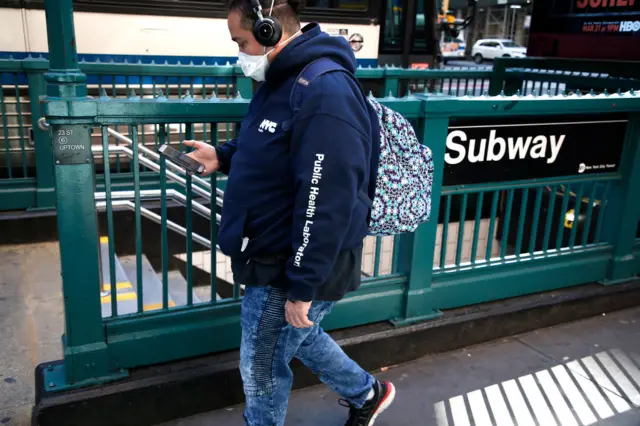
(151, 284)
(125, 292)
(178, 288)
(202, 261)
(122, 281)
(204, 293)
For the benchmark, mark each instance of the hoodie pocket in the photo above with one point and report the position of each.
(232, 228)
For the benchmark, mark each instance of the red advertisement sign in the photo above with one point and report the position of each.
(586, 29)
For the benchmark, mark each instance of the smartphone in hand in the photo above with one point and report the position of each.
(181, 159)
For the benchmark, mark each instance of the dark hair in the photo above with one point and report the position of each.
(286, 11)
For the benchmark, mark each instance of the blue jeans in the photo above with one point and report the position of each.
(269, 343)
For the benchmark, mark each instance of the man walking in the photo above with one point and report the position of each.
(296, 209)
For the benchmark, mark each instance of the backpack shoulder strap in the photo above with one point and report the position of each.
(309, 73)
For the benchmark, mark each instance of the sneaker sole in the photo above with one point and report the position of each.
(385, 404)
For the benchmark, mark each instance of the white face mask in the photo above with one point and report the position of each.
(256, 66)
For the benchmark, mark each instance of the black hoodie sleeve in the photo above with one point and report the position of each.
(330, 155)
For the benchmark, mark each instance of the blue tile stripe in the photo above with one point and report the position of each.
(144, 59)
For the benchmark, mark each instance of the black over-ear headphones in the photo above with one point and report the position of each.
(267, 31)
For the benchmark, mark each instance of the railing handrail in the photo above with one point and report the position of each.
(129, 205)
(576, 65)
(140, 69)
(156, 194)
(511, 105)
(156, 168)
(171, 165)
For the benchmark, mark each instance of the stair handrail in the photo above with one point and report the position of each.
(157, 194)
(170, 164)
(156, 167)
(129, 205)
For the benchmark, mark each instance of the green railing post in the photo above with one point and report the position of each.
(45, 192)
(417, 250)
(512, 84)
(498, 77)
(85, 349)
(623, 210)
(391, 85)
(244, 85)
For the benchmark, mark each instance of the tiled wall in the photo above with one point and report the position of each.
(469, 229)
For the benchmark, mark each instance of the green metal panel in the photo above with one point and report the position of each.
(18, 194)
(78, 237)
(377, 300)
(498, 186)
(188, 332)
(370, 73)
(479, 283)
(42, 143)
(620, 229)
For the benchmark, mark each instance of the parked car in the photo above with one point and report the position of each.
(494, 48)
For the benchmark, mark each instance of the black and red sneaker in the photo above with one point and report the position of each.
(383, 396)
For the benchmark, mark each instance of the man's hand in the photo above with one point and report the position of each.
(297, 313)
(204, 154)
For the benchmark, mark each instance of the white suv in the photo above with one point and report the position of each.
(489, 48)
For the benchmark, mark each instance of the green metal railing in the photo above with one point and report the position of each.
(26, 169)
(555, 76)
(26, 173)
(529, 242)
(539, 233)
(454, 82)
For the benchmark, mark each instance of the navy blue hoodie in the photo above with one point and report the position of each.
(297, 189)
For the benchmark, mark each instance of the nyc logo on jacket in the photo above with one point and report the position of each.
(267, 125)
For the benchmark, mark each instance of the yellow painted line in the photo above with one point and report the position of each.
(104, 240)
(156, 306)
(121, 297)
(119, 286)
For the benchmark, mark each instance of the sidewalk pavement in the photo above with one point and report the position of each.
(582, 373)
(31, 323)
